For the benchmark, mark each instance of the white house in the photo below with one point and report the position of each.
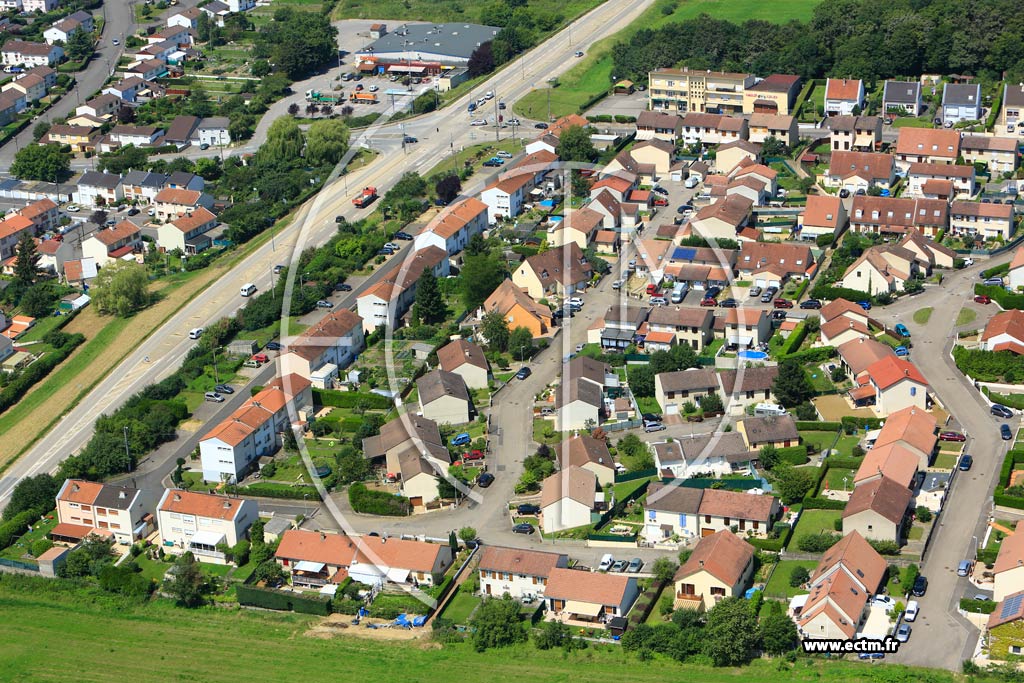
(505, 198)
(22, 53)
(95, 189)
(517, 572)
(199, 522)
(453, 227)
(334, 341)
(567, 499)
(842, 95)
(961, 102)
(444, 397)
(213, 131)
(671, 511)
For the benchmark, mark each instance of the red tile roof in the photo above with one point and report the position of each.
(891, 370)
(722, 554)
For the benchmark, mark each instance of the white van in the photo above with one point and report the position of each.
(692, 182)
(606, 562)
(768, 410)
(912, 610)
(248, 289)
(195, 333)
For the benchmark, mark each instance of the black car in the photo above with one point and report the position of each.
(223, 389)
(492, 163)
(133, 211)
(342, 287)
(523, 373)
(522, 528)
(651, 417)
(1000, 411)
(528, 509)
(384, 252)
(339, 219)
(920, 587)
(728, 303)
(712, 292)
(778, 315)
(409, 140)
(557, 314)
(486, 479)
(1005, 432)
(811, 304)
(541, 125)
(965, 463)
(400, 235)
(273, 346)
(844, 193)
(662, 191)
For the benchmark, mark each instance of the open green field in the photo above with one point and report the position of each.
(50, 630)
(593, 73)
(443, 10)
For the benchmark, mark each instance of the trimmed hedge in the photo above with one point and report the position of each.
(1001, 269)
(13, 529)
(390, 605)
(816, 355)
(817, 503)
(846, 462)
(793, 455)
(978, 606)
(774, 544)
(350, 399)
(814, 426)
(271, 598)
(793, 341)
(266, 489)
(831, 293)
(1000, 295)
(850, 423)
(370, 502)
(1011, 459)
(38, 370)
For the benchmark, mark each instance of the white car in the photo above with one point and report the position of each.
(575, 301)
(579, 53)
(968, 262)
(912, 609)
(883, 601)
(618, 284)
(489, 95)
(151, 212)
(514, 122)
(478, 122)
(374, 88)
(195, 333)
(115, 42)
(72, 208)
(503, 155)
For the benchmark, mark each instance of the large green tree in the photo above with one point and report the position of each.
(326, 142)
(297, 42)
(778, 632)
(187, 583)
(481, 274)
(429, 307)
(497, 623)
(574, 145)
(494, 328)
(32, 493)
(41, 162)
(792, 483)
(731, 637)
(121, 289)
(26, 262)
(284, 142)
(520, 343)
(792, 386)
(79, 46)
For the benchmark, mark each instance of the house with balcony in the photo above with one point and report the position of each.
(843, 96)
(720, 566)
(854, 133)
(902, 98)
(1011, 112)
(321, 351)
(453, 227)
(982, 221)
(86, 508)
(200, 522)
(592, 598)
(172, 203)
(998, 153)
(109, 244)
(747, 327)
(774, 95)
(142, 186)
(696, 90)
(621, 325)
(43, 213)
(961, 102)
(517, 572)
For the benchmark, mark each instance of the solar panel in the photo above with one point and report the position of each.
(1011, 606)
(684, 254)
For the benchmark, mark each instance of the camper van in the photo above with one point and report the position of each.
(679, 292)
(248, 289)
(768, 410)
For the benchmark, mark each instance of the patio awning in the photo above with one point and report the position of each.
(210, 538)
(619, 335)
(861, 393)
(398, 575)
(586, 608)
(308, 566)
(329, 589)
(740, 341)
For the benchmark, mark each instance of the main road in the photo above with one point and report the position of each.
(314, 222)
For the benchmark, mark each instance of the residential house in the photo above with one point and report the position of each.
(568, 499)
(651, 125)
(843, 308)
(200, 522)
(942, 181)
(655, 153)
(723, 219)
(128, 89)
(747, 327)
(843, 96)
(11, 229)
(749, 386)
(171, 203)
(78, 272)
(929, 254)
(79, 138)
(961, 102)
(895, 215)
(671, 510)
(779, 431)
(539, 163)
(1003, 629)
(108, 244)
(764, 126)
(621, 324)
(101, 107)
(444, 397)
(722, 509)
(97, 189)
(560, 271)
(601, 375)
(720, 566)
(180, 131)
(774, 95)
(188, 18)
(902, 97)
(685, 90)
(587, 453)
(579, 404)
(926, 145)
(405, 433)
(1009, 566)
(387, 301)
(730, 155)
(842, 330)
(589, 597)
(999, 154)
(876, 509)
(213, 131)
(912, 428)
(505, 197)
(313, 559)
(1004, 332)
(217, 11)
(22, 53)
(453, 227)
(771, 264)
(84, 508)
(519, 310)
(233, 447)
(187, 232)
(1015, 276)
(467, 360)
(140, 136)
(881, 269)
(420, 476)
(148, 70)
(43, 213)
(896, 384)
(823, 215)
(619, 184)
(625, 163)
(579, 226)
(517, 572)
(62, 31)
(856, 171)
(53, 254)
(894, 461)
(1010, 113)
(41, 6)
(713, 129)
(142, 186)
(674, 390)
(689, 326)
(854, 133)
(31, 86)
(11, 102)
(325, 348)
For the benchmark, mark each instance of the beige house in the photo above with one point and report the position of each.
(730, 155)
(519, 310)
(723, 219)
(691, 326)
(896, 384)
(721, 566)
(848, 133)
(326, 348)
(561, 271)
(199, 522)
(590, 597)
(656, 153)
(880, 269)
(747, 327)
(685, 90)
(466, 360)
(841, 330)
(750, 386)
(567, 499)
(1009, 567)
(85, 508)
(444, 397)
(171, 203)
(751, 515)
(999, 154)
(580, 226)
(404, 433)
(186, 232)
(587, 453)
(855, 171)
(823, 215)
(983, 221)
(779, 431)
(579, 404)
(109, 244)
(764, 126)
(926, 145)
(675, 389)
(517, 572)
(876, 509)
(420, 476)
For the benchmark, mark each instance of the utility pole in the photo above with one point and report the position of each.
(216, 375)
(497, 121)
(127, 451)
(549, 103)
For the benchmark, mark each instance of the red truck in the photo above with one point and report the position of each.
(366, 198)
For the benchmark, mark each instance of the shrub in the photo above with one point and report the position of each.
(14, 528)
(923, 513)
(799, 576)
(818, 543)
(366, 501)
(977, 606)
(885, 547)
(270, 598)
(823, 504)
(40, 546)
(270, 490)
(793, 455)
(351, 399)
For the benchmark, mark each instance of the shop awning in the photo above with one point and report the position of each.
(586, 608)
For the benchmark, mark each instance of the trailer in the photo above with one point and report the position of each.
(365, 97)
(324, 98)
(365, 198)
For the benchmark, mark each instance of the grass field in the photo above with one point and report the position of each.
(834, 479)
(923, 315)
(593, 73)
(49, 631)
(461, 606)
(778, 585)
(814, 522)
(966, 316)
(442, 10)
(945, 461)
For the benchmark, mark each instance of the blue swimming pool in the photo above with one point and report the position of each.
(752, 355)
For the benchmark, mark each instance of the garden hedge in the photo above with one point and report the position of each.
(816, 355)
(370, 502)
(1000, 295)
(850, 423)
(815, 426)
(35, 372)
(13, 529)
(271, 598)
(817, 503)
(794, 340)
(265, 489)
(978, 606)
(793, 455)
(350, 399)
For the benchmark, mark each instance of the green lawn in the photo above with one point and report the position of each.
(93, 630)
(945, 461)
(814, 522)
(819, 378)
(911, 122)
(820, 440)
(835, 476)
(476, 154)
(648, 404)
(923, 315)
(153, 569)
(966, 316)
(20, 549)
(461, 606)
(778, 585)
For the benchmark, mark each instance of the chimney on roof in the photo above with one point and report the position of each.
(227, 504)
(323, 536)
(75, 488)
(122, 494)
(177, 497)
(701, 564)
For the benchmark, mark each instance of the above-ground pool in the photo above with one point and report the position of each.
(752, 355)
(548, 203)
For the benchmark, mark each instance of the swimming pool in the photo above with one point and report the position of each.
(752, 355)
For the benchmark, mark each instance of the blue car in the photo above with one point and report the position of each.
(866, 305)
(461, 439)
(902, 351)
(902, 330)
(1004, 431)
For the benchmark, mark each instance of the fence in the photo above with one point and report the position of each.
(632, 476)
(619, 426)
(15, 564)
(704, 483)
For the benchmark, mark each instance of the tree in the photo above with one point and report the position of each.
(88, 558)
(769, 456)
(664, 569)
(481, 62)
(520, 343)
(774, 147)
(429, 307)
(731, 634)
(580, 185)
(284, 142)
(41, 162)
(711, 403)
(32, 493)
(186, 584)
(494, 328)
(799, 576)
(448, 187)
(792, 483)
(260, 68)
(792, 387)
(467, 534)
(121, 289)
(574, 145)
(40, 129)
(99, 217)
(480, 276)
(26, 263)
(37, 301)
(326, 142)
(79, 46)
(641, 380)
(552, 634)
(297, 42)
(497, 624)
(777, 631)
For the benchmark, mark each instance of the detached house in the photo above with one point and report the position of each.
(876, 509)
(779, 431)
(444, 397)
(568, 499)
(771, 264)
(1004, 332)
(519, 310)
(751, 514)
(187, 232)
(561, 271)
(842, 95)
(823, 215)
(723, 219)
(516, 572)
(750, 386)
(199, 522)
(321, 351)
(387, 301)
(902, 97)
(588, 597)
(940, 181)
(895, 384)
(1009, 566)
(403, 434)
(580, 226)
(587, 453)
(579, 404)
(1010, 113)
(85, 508)
(108, 244)
(961, 102)
(721, 566)
(453, 227)
(467, 360)
(855, 171)
(881, 269)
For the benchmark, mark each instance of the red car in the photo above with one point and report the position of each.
(783, 303)
(474, 455)
(260, 357)
(952, 436)
(708, 302)
(982, 299)
(660, 201)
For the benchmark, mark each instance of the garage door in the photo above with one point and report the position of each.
(706, 532)
(672, 409)
(761, 282)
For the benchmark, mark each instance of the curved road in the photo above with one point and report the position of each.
(168, 345)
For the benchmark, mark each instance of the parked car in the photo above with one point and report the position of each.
(213, 396)
(910, 614)
(653, 427)
(274, 346)
(952, 436)
(133, 211)
(619, 566)
(401, 235)
(902, 330)
(578, 53)
(224, 389)
(965, 462)
(260, 357)
(491, 163)
(1000, 410)
(523, 528)
(504, 155)
(342, 287)
(659, 301)
(901, 351)
(651, 417)
(810, 304)
(783, 303)
(660, 201)
(712, 292)
(708, 303)
(755, 291)
(195, 333)
(903, 633)
(883, 601)
(1005, 432)
(606, 562)
(478, 122)
(618, 284)
(995, 281)
(728, 303)
(575, 301)
(661, 190)
(541, 125)
(769, 295)
(779, 314)
(392, 246)
(485, 480)
(523, 373)
(461, 439)
(475, 454)
(982, 299)
(866, 305)
(844, 193)
(920, 587)
(635, 565)
(964, 568)
(528, 509)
